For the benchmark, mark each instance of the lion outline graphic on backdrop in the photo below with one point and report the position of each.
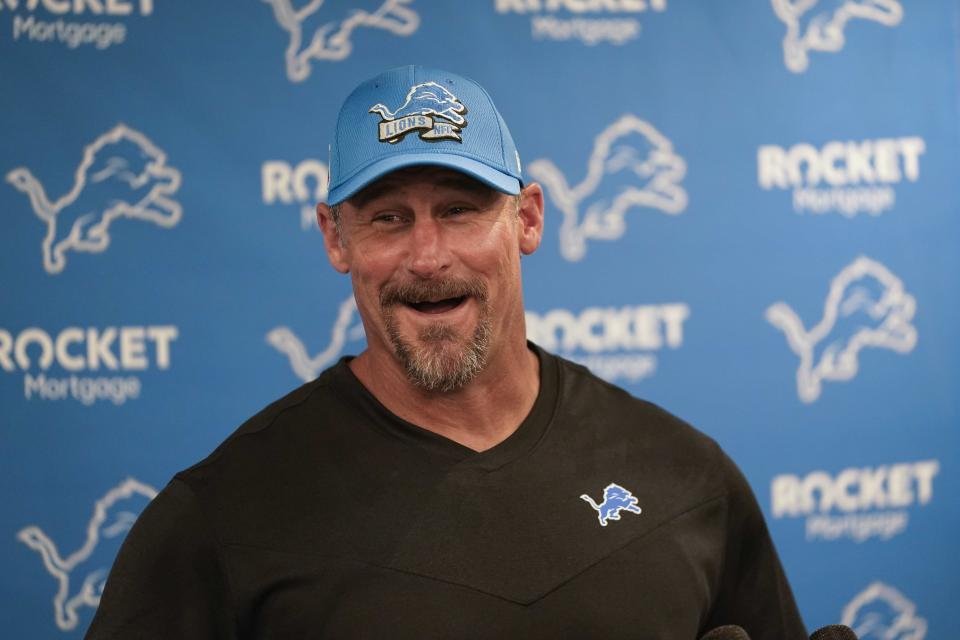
(314, 35)
(632, 165)
(307, 367)
(819, 28)
(110, 520)
(122, 175)
(867, 306)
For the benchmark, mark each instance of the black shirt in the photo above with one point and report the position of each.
(327, 516)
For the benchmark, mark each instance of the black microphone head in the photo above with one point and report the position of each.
(834, 632)
(726, 632)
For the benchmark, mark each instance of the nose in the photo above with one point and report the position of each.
(428, 253)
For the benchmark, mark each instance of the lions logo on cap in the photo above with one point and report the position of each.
(430, 109)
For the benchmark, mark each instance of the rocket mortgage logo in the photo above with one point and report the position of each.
(856, 503)
(303, 184)
(619, 344)
(81, 23)
(86, 364)
(585, 22)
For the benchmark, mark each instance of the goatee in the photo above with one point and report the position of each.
(441, 359)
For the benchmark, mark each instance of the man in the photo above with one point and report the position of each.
(452, 480)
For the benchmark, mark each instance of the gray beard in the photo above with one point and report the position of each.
(441, 359)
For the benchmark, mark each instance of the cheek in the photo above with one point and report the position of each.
(367, 296)
(371, 268)
(497, 261)
(369, 273)
(497, 246)
(366, 286)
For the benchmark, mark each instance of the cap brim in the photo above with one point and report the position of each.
(473, 168)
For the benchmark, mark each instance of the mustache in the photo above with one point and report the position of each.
(422, 290)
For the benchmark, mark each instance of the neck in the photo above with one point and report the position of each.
(480, 415)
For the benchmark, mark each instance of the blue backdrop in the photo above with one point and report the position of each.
(752, 220)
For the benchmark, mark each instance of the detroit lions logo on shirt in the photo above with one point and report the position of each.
(615, 500)
(428, 108)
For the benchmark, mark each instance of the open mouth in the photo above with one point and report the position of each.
(437, 306)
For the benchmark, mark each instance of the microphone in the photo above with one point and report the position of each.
(834, 632)
(830, 632)
(733, 632)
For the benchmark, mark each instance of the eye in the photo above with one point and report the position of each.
(387, 217)
(458, 210)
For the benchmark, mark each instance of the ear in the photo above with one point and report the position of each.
(531, 218)
(332, 242)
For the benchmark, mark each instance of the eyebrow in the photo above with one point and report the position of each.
(466, 184)
(369, 193)
(383, 187)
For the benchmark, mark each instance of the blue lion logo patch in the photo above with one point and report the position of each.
(615, 500)
(428, 108)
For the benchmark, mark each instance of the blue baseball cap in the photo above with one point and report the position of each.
(415, 115)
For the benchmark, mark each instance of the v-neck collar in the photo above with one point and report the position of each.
(530, 431)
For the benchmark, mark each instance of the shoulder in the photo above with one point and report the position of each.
(608, 430)
(270, 473)
(613, 412)
(272, 435)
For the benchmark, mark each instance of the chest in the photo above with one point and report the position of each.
(487, 555)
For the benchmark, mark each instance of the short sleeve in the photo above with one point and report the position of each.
(754, 592)
(167, 580)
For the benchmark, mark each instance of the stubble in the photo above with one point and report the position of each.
(441, 358)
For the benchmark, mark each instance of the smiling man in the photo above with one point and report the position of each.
(434, 256)
(453, 479)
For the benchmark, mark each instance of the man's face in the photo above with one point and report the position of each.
(434, 257)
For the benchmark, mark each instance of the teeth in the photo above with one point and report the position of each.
(451, 300)
(432, 300)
